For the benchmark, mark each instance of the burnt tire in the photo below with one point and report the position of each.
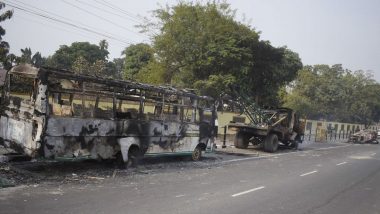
(241, 140)
(134, 157)
(295, 144)
(119, 162)
(197, 154)
(271, 143)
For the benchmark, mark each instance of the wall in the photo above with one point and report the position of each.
(311, 125)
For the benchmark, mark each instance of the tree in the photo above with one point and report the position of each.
(103, 45)
(117, 67)
(153, 73)
(362, 101)
(317, 92)
(27, 56)
(98, 68)
(196, 41)
(333, 93)
(136, 57)
(272, 68)
(38, 60)
(65, 56)
(215, 84)
(202, 46)
(4, 46)
(81, 66)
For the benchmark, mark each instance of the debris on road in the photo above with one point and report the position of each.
(6, 183)
(89, 171)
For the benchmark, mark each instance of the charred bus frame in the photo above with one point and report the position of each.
(71, 115)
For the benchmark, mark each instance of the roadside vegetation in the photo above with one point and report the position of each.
(203, 46)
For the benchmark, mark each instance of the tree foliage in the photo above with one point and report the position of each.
(27, 56)
(202, 46)
(136, 57)
(86, 58)
(99, 68)
(65, 56)
(153, 73)
(271, 69)
(333, 93)
(197, 41)
(4, 46)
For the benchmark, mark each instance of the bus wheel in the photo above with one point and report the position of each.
(119, 162)
(197, 154)
(134, 156)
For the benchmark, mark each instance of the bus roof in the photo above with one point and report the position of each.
(33, 72)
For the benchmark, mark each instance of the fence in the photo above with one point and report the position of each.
(319, 136)
(323, 135)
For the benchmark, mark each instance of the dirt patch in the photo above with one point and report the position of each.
(92, 171)
(95, 172)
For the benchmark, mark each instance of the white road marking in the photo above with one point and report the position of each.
(356, 157)
(341, 163)
(308, 173)
(178, 196)
(248, 191)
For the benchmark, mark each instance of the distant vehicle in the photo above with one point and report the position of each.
(283, 125)
(364, 136)
(56, 113)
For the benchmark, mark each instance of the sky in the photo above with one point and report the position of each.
(329, 32)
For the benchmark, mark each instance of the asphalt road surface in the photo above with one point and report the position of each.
(323, 178)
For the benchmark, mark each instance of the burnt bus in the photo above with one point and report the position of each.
(47, 112)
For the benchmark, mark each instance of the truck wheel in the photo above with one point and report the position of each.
(197, 154)
(241, 140)
(271, 143)
(295, 144)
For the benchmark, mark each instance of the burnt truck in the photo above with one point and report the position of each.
(47, 112)
(266, 127)
(282, 126)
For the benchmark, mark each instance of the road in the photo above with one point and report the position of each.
(323, 178)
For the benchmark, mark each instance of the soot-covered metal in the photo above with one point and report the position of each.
(63, 114)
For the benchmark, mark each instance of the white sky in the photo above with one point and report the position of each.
(321, 31)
